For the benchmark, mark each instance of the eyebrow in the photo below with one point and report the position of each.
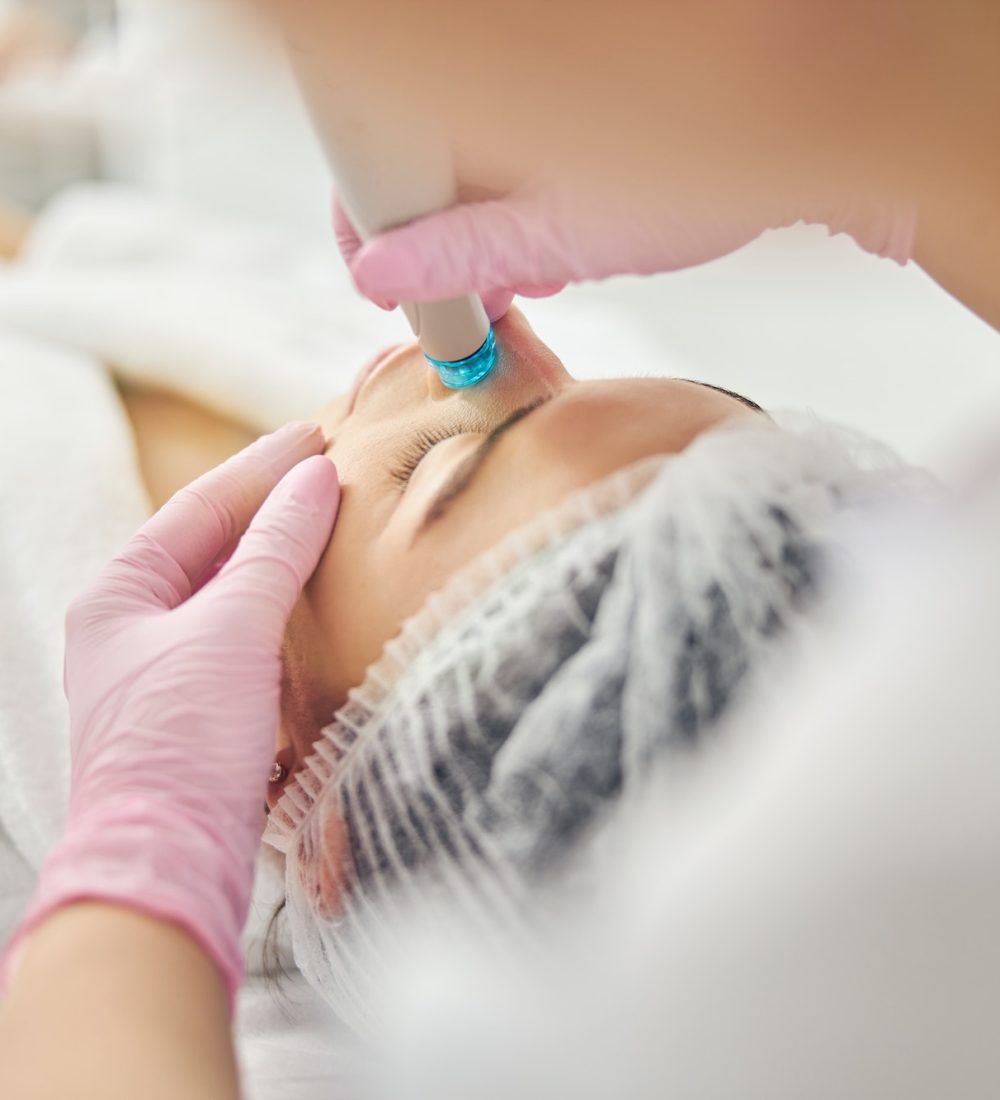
(463, 476)
(729, 393)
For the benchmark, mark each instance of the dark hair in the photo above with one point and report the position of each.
(730, 393)
(274, 971)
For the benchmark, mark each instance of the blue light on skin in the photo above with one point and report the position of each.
(467, 372)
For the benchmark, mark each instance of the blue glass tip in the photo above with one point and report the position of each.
(467, 372)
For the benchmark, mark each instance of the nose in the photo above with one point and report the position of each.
(525, 368)
(436, 389)
(490, 394)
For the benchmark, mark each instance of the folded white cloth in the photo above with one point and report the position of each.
(70, 492)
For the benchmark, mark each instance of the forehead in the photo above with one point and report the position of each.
(677, 408)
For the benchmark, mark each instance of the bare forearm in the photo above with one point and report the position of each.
(108, 1003)
(692, 114)
(654, 102)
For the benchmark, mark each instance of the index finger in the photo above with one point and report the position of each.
(348, 240)
(189, 533)
(349, 243)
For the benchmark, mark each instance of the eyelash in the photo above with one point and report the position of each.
(418, 448)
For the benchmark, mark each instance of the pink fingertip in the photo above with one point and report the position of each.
(303, 428)
(366, 286)
(541, 290)
(381, 268)
(497, 303)
(289, 436)
(314, 481)
(291, 443)
(387, 275)
(383, 303)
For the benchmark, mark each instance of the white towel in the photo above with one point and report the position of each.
(70, 493)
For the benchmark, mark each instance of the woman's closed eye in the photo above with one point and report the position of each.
(417, 448)
(424, 441)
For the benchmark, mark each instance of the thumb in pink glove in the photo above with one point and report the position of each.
(173, 687)
(496, 298)
(539, 238)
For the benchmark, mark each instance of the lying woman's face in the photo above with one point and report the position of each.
(432, 477)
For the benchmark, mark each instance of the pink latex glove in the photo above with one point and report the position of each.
(536, 240)
(173, 679)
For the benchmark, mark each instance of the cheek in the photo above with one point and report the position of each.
(524, 482)
(407, 574)
(334, 851)
(322, 861)
(351, 608)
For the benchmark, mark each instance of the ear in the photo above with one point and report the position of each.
(288, 758)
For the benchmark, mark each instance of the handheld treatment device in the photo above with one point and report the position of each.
(455, 334)
(389, 173)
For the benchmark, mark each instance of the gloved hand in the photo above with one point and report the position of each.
(173, 675)
(536, 240)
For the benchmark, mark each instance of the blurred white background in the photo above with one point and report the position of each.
(177, 97)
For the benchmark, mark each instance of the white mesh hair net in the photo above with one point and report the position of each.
(538, 688)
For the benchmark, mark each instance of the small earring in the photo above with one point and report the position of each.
(277, 773)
